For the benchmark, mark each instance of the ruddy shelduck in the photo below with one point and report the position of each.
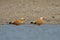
(18, 21)
(38, 21)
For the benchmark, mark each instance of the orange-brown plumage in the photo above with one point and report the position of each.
(38, 21)
(17, 22)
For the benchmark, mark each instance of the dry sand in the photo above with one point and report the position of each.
(30, 10)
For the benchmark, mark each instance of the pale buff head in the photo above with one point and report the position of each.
(22, 18)
(41, 18)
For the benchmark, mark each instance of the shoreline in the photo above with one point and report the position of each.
(30, 10)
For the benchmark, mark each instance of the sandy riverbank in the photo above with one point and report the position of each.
(30, 10)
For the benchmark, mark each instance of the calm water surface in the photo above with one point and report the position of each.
(30, 32)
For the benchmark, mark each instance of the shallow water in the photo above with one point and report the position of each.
(30, 32)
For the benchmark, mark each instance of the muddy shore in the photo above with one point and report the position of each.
(30, 10)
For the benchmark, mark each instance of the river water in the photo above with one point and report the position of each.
(30, 32)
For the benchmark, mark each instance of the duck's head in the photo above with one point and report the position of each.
(42, 18)
(22, 19)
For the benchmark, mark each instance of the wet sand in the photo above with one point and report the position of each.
(30, 10)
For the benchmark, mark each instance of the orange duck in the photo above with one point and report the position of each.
(38, 21)
(17, 22)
